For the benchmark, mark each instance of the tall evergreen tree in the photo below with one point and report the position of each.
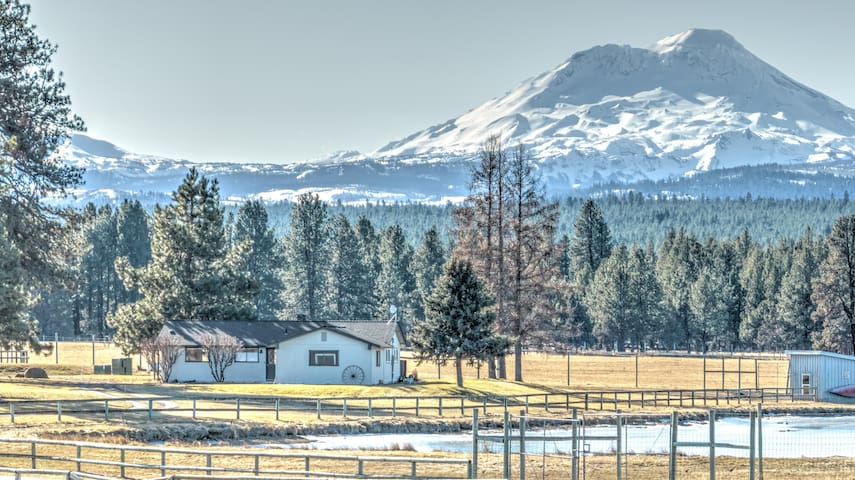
(17, 328)
(609, 300)
(646, 297)
(264, 257)
(307, 259)
(396, 284)
(369, 254)
(35, 119)
(427, 266)
(530, 270)
(591, 242)
(677, 267)
(795, 306)
(458, 323)
(134, 240)
(192, 274)
(346, 272)
(708, 300)
(834, 290)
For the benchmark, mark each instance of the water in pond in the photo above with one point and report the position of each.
(783, 437)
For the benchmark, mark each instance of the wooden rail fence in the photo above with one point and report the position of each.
(168, 461)
(147, 408)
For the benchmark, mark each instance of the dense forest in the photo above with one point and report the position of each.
(632, 217)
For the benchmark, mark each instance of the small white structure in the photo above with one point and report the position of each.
(821, 372)
(293, 351)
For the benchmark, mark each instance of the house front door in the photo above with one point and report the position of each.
(271, 364)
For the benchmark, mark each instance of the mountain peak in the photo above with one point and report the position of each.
(696, 39)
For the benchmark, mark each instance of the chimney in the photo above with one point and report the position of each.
(301, 317)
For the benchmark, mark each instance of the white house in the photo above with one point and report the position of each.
(293, 351)
(830, 375)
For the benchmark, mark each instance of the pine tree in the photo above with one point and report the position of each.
(35, 119)
(396, 284)
(530, 266)
(427, 266)
(609, 300)
(369, 246)
(264, 257)
(795, 306)
(192, 274)
(133, 242)
(307, 257)
(590, 244)
(346, 272)
(834, 290)
(17, 328)
(645, 295)
(677, 268)
(708, 301)
(458, 324)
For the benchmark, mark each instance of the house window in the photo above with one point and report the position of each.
(323, 336)
(323, 358)
(195, 354)
(247, 355)
(388, 356)
(377, 358)
(806, 386)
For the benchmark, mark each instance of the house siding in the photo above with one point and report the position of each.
(292, 361)
(827, 371)
(243, 372)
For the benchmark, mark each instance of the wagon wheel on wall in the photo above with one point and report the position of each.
(353, 375)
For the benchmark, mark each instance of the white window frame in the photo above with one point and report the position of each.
(247, 355)
(806, 387)
(315, 357)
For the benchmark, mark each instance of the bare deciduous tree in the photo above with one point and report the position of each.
(222, 353)
(161, 353)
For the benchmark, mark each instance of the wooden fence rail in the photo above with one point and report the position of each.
(169, 461)
(460, 406)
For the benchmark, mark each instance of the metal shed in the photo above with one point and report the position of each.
(821, 372)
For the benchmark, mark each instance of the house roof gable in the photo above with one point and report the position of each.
(269, 334)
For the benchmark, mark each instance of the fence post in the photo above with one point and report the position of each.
(237, 408)
(163, 463)
(672, 450)
(394, 407)
(619, 445)
(255, 466)
(150, 405)
(11, 412)
(526, 404)
(440, 406)
(370, 410)
(277, 409)
(462, 411)
(417, 406)
(474, 471)
(344, 407)
(106, 409)
(194, 409)
(712, 444)
(752, 446)
(574, 469)
(319, 409)
(122, 462)
(359, 467)
(506, 446)
(760, 439)
(59, 410)
(78, 458)
(522, 445)
(207, 464)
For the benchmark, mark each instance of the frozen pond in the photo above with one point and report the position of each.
(783, 437)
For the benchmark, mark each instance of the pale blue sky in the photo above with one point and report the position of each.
(284, 81)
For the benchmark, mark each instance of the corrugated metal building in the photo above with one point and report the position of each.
(813, 370)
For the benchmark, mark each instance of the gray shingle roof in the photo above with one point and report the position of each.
(270, 334)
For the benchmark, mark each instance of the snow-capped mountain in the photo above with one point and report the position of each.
(690, 103)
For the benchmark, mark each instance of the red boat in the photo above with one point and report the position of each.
(844, 391)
